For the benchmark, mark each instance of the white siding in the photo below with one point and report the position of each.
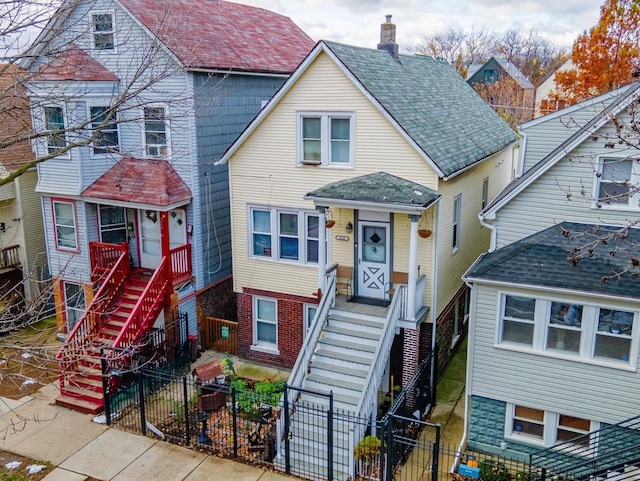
(582, 389)
(563, 193)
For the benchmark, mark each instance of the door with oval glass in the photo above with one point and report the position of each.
(373, 258)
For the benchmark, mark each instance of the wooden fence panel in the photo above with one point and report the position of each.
(220, 334)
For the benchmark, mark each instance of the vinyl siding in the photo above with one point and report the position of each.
(32, 230)
(557, 195)
(569, 387)
(474, 239)
(263, 172)
(224, 106)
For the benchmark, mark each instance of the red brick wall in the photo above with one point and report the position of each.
(290, 327)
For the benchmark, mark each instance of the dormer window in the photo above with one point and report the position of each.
(102, 27)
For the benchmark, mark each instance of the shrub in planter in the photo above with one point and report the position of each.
(494, 471)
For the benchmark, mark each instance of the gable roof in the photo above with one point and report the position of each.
(380, 189)
(15, 119)
(215, 34)
(543, 260)
(513, 71)
(621, 99)
(73, 64)
(140, 181)
(423, 97)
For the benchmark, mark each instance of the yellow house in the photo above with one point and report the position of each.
(364, 174)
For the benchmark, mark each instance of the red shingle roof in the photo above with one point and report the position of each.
(139, 181)
(215, 34)
(74, 64)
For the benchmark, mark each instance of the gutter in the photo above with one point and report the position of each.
(469, 167)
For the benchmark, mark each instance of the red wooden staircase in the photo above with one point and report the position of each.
(123, 310)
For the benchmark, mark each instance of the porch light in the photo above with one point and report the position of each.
(349, 227)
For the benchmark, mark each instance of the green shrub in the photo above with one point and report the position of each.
(494, 471)
(368, 448)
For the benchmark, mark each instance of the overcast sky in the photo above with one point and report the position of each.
(357, 22)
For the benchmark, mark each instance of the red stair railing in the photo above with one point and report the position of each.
(141, 319)
(78, 343)
(103, 257)
(180, 263)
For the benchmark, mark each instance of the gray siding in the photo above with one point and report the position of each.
(224, 107)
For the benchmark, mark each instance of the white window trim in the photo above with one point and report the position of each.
(68, 308)
(117, 125)
(551, 420)
(461, 303)
(634, 199)
(306, 317)
(588, 328)
(456, 226)
(275, 235)
(258, 345)
(167, 127)
(65, 117)
(325, 140)
(485, 192)
(93, 31)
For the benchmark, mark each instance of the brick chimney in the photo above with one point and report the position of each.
(388, 37)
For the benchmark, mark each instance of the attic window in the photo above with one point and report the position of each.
(326, 139)
(102, 26)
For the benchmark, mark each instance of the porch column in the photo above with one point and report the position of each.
(413, 268)
(322, 252)
(410, 353)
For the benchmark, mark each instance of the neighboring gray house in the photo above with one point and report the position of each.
(187, 78)
(555, 304)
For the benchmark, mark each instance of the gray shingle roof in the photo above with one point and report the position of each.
(543, 260)
(432, 103)
(381, 188)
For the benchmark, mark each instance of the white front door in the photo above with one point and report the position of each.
(373, 258)
(177, 228)
(150, 246)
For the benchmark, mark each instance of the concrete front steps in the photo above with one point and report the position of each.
(83, 389)
(341, 363)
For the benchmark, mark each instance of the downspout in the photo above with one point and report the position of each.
(523, 149)
(467, 396)
(494, 232)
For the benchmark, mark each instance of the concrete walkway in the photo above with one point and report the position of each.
(79, 448)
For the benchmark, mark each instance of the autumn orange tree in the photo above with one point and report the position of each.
(605, 57)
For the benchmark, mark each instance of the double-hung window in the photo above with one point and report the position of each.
(548, 428)
(586, 332)
(64, 219)
(103, 32)
(265, 322)
(54, 125)
(104, 123)
(614, 182)
(113, 224)
(457, 213)
(284, 235)
(326, 139)
(156, 132)
(485, 192)
(74, 302)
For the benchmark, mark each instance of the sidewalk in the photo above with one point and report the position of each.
(36, 428)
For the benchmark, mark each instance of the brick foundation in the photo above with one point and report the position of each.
(290, 327)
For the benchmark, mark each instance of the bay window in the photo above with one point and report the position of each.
(54, 125)
(106, 140)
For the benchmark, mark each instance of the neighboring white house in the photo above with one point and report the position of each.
(544, 104)
(555, 304)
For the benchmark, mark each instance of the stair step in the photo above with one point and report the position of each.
(349, 402)
(352, 358)
(374, 322)
(331, 383)
(338, 369)
(80, 381)
(314, 472)
(75, 391)
(346, 345)
(78, 404)
(358, 334)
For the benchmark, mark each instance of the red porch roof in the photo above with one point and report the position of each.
(139, 181)
(74, 64)
(214, 34)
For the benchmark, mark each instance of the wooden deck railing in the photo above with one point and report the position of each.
(85, 331)
(180, 263)
(104, 257)
(9, 257)
(146, 309)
